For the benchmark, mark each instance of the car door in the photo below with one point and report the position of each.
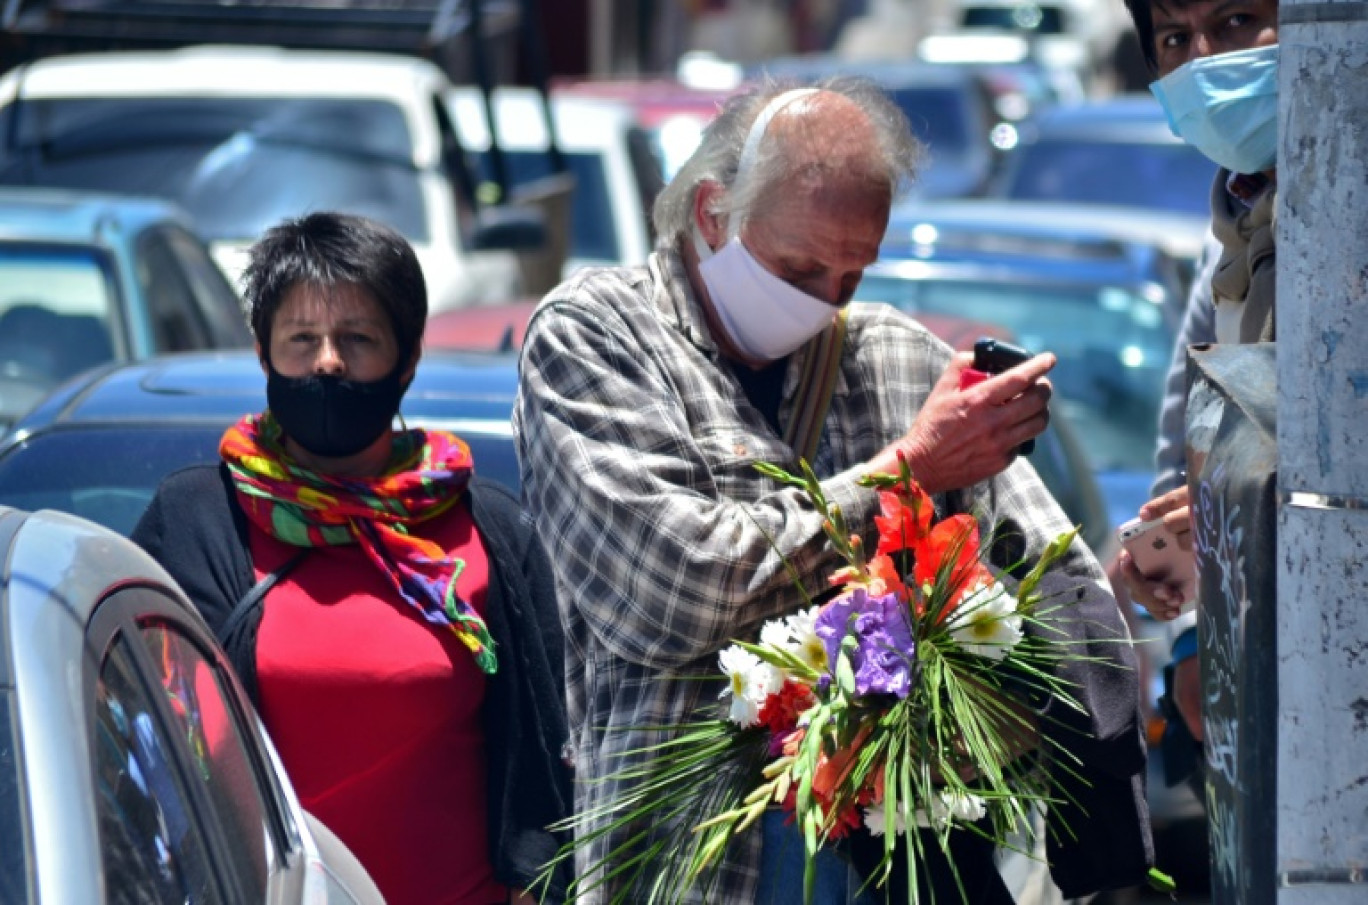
(188, 805)
(210, 292)
(177, 323)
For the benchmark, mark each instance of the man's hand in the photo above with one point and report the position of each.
(964, 436)
(1164, 599)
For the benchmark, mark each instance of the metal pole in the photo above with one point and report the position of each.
(1322, 365)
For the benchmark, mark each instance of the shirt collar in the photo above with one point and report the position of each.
(676, 300)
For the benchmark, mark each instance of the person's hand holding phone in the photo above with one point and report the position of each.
(992, 357)
(969, 429)
(1157, 564)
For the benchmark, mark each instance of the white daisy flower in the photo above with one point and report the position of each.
(776, 634)
(809, 648)
(876, 820)
(986, 622)
(965, 807)
(744, 683)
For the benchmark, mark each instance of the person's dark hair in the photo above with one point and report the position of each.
(1144, 30)
(329, 249)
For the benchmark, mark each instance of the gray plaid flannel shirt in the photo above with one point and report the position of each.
(637, 449)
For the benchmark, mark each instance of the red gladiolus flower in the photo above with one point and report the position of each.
(906, 518)
(884, 578)
(954, 540)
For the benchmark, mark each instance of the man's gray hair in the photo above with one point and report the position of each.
(719, 154)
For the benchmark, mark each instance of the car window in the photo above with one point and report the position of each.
(1112, 344)
(177, 325)
(14, 845)
(218, 304)
(237, 165)
(152, 848)
(1170, 177)
(941, 117)
(55, 470)
(593, 225)
(57, 305)
(215, 735)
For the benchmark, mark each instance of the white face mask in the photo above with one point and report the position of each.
(764, 317)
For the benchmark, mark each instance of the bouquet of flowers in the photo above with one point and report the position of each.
(903, 702)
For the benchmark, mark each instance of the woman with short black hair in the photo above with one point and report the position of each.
(406, 653)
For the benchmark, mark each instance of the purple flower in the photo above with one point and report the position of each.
(885, 656)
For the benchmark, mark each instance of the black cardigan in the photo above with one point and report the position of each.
(195, 528)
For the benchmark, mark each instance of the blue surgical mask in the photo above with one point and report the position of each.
(1226, 106)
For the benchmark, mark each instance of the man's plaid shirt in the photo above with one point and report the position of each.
(637, 449)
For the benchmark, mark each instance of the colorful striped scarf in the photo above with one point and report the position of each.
(427, 473)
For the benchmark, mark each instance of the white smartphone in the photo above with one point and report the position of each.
(1159, 556)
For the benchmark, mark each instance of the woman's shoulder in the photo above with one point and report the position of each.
(200, 479)
(190, 502)
(495, 508)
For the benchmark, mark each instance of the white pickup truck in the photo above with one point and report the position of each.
(242, 137)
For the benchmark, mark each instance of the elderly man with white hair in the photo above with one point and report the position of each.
(649, 394)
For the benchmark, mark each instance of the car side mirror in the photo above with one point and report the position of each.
(509, 228)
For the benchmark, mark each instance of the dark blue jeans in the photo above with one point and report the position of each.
(839, 880)
(781, 869)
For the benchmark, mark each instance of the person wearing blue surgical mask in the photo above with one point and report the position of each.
(1217, 62)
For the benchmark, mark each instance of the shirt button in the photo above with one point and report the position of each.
(739, 449)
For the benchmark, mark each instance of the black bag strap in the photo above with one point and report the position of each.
(252, 599)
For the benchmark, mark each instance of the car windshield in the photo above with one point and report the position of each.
(55, 470)
(237, 165)
(57, 310)
(1111, 342)
(938, 116)
(592, 235)
(1170, 177)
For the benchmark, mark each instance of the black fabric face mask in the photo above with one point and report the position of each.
(330, 416)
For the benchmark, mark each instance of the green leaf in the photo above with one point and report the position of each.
(1053, 551)
(845, 675)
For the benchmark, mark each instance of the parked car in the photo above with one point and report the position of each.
(670, 117)
(607, 221)
(242, 137)
(1163, 246)
(1115, 152)
(87, 279)
(133, 767)
(948, 107)
(146, 419)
